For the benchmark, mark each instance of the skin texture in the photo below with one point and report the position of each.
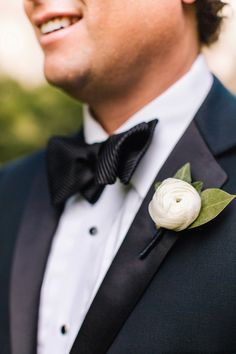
(120, 55)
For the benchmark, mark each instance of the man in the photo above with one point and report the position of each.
(77, 273)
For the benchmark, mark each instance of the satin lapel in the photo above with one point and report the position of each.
(32, 248)
(128, 276)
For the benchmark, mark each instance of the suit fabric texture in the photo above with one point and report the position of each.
(180, 299)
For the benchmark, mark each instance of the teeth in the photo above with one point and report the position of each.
(57, 24)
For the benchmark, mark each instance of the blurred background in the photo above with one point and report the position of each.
(31, 110)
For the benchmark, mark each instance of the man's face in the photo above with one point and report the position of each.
(94, 45)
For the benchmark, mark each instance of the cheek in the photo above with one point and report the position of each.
(28, 8)
(128, 24)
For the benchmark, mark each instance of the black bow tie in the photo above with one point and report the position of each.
(74, 166)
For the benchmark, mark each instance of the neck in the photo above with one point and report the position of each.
(158, 76)
(113, 113)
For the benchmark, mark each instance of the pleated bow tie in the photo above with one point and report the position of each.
(76, 167)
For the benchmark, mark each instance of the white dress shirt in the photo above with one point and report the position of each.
(89, 236)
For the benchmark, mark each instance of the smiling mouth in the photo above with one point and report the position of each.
(58, 23)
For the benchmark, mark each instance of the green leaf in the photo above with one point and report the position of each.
(184, 173)
(157, 184)
(214, 201)
(198, 186)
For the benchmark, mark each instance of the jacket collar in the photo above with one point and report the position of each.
(38, 225)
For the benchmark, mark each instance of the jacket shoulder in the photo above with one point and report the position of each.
(216, 119)
(20, 170)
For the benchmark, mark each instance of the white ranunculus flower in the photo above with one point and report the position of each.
(175, 205)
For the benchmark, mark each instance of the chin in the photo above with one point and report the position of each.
(55, 77)
(73, 81)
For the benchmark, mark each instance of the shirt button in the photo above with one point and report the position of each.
(64, 329)
(93, 231)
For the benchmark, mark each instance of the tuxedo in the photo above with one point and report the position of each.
(180, 299)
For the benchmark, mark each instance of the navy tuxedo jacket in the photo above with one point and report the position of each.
(180, 299)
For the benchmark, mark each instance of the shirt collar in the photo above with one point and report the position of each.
(179, 102)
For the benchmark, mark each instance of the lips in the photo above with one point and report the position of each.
(48, 22)
(57, 23)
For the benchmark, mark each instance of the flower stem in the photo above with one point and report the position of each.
(151, 244)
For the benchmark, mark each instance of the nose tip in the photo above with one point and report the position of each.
(37, 2)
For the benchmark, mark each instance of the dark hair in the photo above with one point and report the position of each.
(209, 18)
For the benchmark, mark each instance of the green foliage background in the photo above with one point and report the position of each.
(29, 116)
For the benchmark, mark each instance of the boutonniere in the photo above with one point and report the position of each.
(179, 204)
